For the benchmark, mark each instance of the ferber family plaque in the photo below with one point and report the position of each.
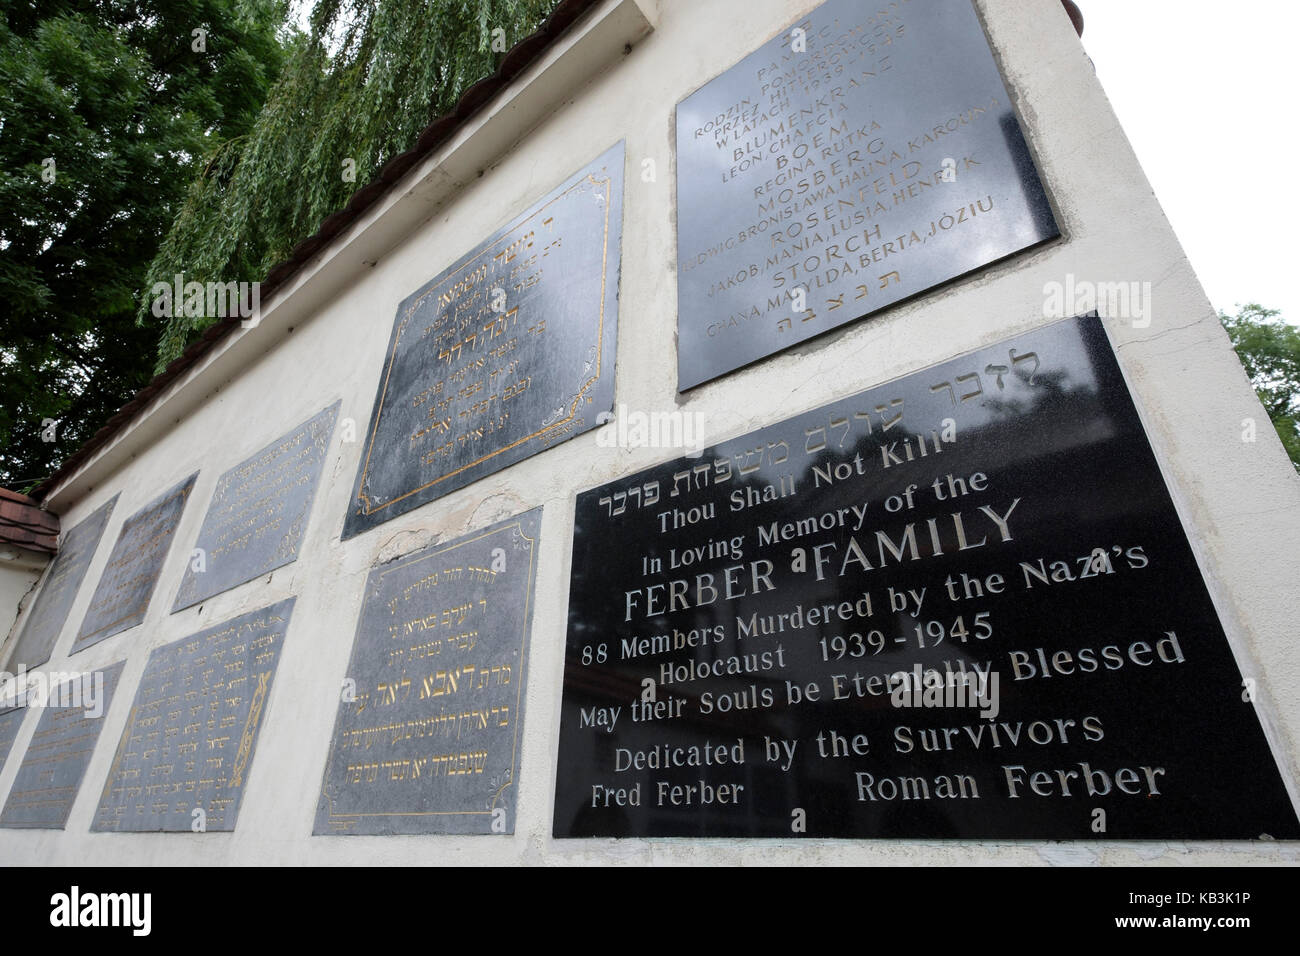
(122, 595)
(187, 749)
(508, 352)
(960, 604)
(259, 512)
(427, 736)
(50, 775)
(42, 627)
(865, 155)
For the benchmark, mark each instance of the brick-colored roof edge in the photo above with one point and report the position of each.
(23, 523)
(519, 57)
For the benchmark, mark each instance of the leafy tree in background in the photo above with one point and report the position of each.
(1269, 349)
(107, 112)
(371, 76)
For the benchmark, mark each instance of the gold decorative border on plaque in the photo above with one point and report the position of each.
(366, 507)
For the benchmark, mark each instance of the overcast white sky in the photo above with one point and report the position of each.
(1207, 93)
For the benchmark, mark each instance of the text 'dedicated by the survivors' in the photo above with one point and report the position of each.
(959, 604)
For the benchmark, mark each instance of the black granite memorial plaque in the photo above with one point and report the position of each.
(866, 154)
(187, 749)
(427, 735)
(42, 627)
(506, 353)
(259, 512)
(50, 775)
(960, 604)
(127, 582)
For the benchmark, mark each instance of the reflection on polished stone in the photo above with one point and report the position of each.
(959, 604)
(503, 355)
(866, 154)
(126, 584)
(259, 512)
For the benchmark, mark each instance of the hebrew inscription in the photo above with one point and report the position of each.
(259, 512)
(187, 750)
(428, 731)
(960, 604)
(127, 583)
(50, 612)
(506, 353)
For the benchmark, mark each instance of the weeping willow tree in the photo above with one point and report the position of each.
(358, 88)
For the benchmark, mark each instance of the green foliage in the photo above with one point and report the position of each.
(115, 95)
(1269, 349)
(370, 77)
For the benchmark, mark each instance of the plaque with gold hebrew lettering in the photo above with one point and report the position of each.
(186, 752)
(59, 589)
(127, 583)
(504, 354)
(259, 512)
(72, 715)
(427, 736)
(11, 721)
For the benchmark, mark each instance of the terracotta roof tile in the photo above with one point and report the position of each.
(25, 524)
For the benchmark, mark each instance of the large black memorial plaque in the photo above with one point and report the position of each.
(429, 740)
(259, 512)
(506, 353)
(188, 746)
(127, 582)
(960, 604)
(817, 187)
(50, 611)
(60, 750)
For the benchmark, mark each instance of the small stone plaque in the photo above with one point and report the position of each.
(508, 352)
(42, 627)
(50, 775)
(866, 154)
(960, 604)
(259, 512)
(127, 584)
(11, 721)
(187, 749)
(429, 741)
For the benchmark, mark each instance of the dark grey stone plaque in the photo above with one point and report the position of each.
(429, 741)
(122, 595)
(506, 353)
(11, 721)
(818, 187)
(59, 590)
(960, 604)
(187, 749)
(259, 512)
(50, 775)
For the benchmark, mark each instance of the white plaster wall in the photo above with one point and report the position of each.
(17, 576)
(1240, 501)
